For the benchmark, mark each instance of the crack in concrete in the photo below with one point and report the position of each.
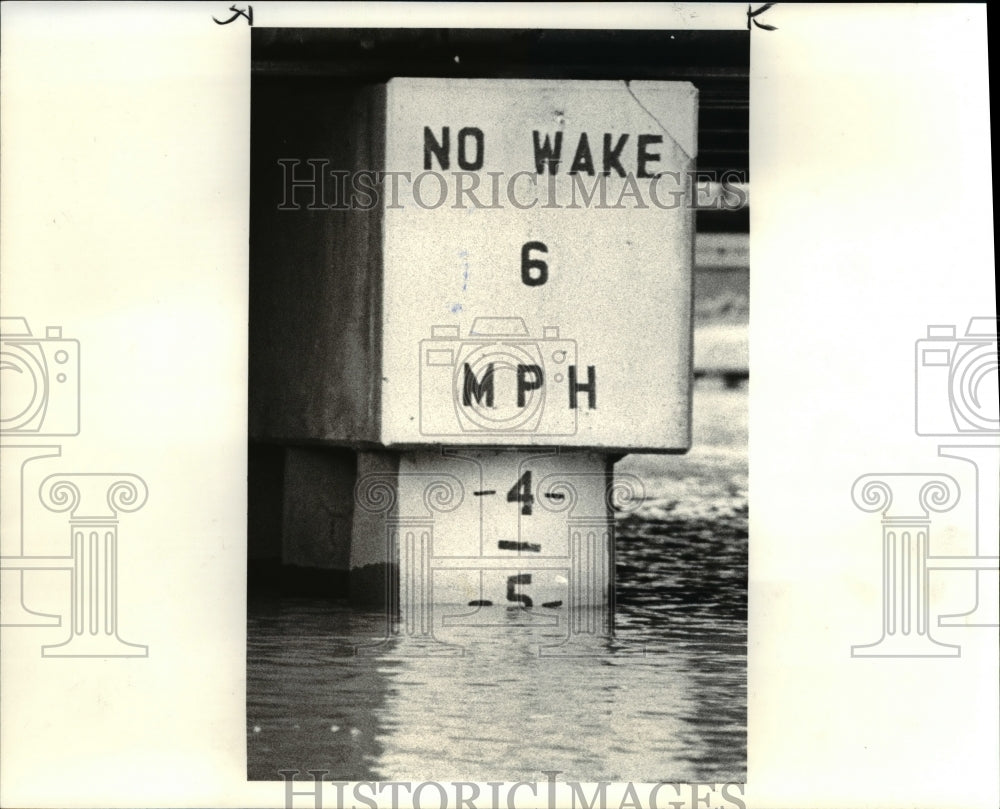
(659, 123)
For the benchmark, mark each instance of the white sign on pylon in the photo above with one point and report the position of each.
(537, 254)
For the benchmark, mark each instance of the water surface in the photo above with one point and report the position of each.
(665, 699)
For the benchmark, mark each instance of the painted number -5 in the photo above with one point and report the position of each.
(513, 594)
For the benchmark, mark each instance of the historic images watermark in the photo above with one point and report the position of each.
(956, 402)
(317, 792)
(312, 185)
(41, 403)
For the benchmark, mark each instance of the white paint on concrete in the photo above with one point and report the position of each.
(617, 296)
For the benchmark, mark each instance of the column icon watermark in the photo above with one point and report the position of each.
(956, 402)
(41, 406)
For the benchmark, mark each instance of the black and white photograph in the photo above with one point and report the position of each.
(499, 302)
(377, 425)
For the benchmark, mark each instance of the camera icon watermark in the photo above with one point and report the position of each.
(40, 402)
(958, 400)
(956, 385)
(500, 380)
(40, 380)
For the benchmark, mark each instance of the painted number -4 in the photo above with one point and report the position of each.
(520, 492)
